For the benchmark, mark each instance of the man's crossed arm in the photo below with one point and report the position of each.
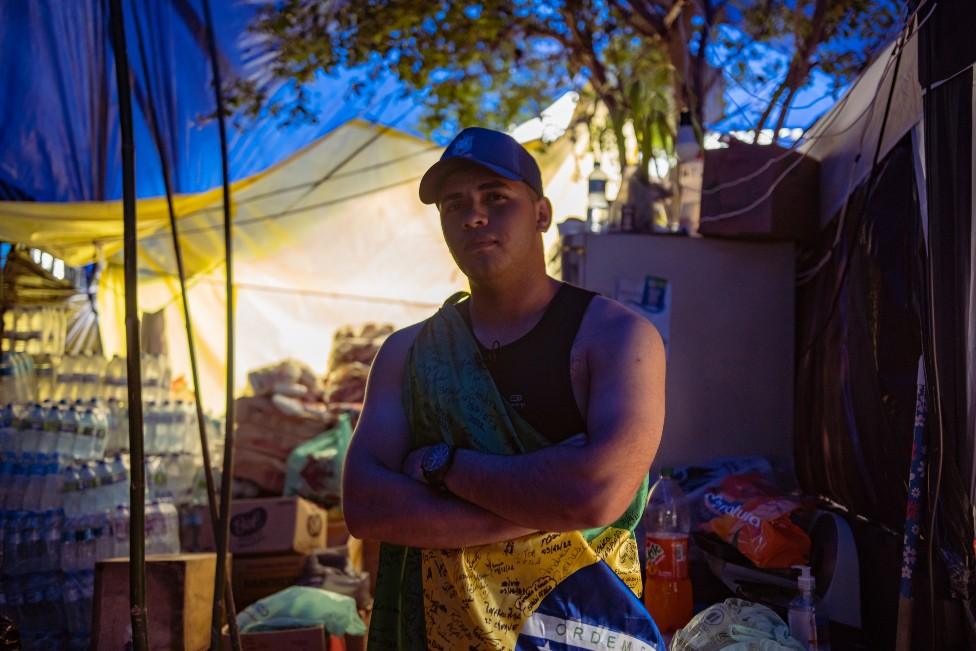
(492, 497)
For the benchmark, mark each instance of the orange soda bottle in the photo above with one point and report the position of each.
(667, 588)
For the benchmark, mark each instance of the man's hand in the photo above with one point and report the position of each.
(413, 464)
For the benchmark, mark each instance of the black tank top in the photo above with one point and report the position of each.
(532, 372)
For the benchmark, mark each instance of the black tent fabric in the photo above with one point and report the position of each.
(897, 286)
(858, 344)
(947, 53)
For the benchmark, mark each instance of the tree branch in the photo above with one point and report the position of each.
(644, 21)
(673, 13)
(781, 120)
(769, 109)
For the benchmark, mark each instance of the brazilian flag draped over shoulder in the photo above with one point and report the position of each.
(554, 590)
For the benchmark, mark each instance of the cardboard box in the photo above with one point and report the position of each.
(256, 577)
(790, 212)
(179, 598)
(354, 551)
(271, 525)
(337, 531)
(298, 639)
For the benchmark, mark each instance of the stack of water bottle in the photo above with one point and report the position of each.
(17, 377)
(65, 507)
(35, 329)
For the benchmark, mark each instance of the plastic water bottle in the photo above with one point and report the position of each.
(10, 434)
(66, 379)
(87, 593)
(11, 545)
(667, 590)
(150, 419)
(171, 527)
(8, 387)
(115, 378)
(52, 494)
(120, 530)
(154, 529)
(69, 545)
(104, 542)
(158, 476)
(85, 542)
(150, 376)
(51, 530)
(162, 428)
(45, 380)
(73, 609)
(120, 481)
(66, 423)
(6, 484)
(30, 545)
(7, 429)
(85, 443)
(15, 494)
(54, 597)
(104, 492)
(31, 438)
(33, 609)
(181, 419)
(597, 206)
(71, 491)
(100, 441)
(86, 485)
(93, 376)
(35, 484)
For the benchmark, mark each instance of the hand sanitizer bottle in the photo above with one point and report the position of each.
(808, 626)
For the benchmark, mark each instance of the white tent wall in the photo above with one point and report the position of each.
(845, 138)
(356, 248)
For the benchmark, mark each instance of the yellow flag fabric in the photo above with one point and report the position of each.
(481, 597)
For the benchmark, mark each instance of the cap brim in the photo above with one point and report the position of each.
(430, 184)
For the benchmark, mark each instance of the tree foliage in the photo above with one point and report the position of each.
(495, 62)
(837, 37)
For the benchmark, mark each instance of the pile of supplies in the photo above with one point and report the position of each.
(353, 350)
(285, 410)
(732, 513)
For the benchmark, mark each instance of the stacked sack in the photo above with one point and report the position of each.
(352, 353)
(285, 410)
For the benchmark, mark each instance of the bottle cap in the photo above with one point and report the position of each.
(806, 582)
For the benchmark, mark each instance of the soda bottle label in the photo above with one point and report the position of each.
(667, 557)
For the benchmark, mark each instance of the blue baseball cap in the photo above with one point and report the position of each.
(495, 151)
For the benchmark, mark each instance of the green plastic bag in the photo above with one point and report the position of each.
(301, 607)
(315, 467)
(735, 625)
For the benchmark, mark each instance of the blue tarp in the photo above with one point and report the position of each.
(59, 139)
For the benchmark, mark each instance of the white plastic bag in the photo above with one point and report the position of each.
(735, 625)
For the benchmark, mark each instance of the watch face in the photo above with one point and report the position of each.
(435, 457)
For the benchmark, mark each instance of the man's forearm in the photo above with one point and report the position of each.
(559, 488)
(391, 507)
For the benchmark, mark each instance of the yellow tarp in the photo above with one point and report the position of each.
(335, 235)
(76, 231)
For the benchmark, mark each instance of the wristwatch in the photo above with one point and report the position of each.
(435, 464)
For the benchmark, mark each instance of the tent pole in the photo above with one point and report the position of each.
(230, 608)
(137, 487)
(223, 530)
